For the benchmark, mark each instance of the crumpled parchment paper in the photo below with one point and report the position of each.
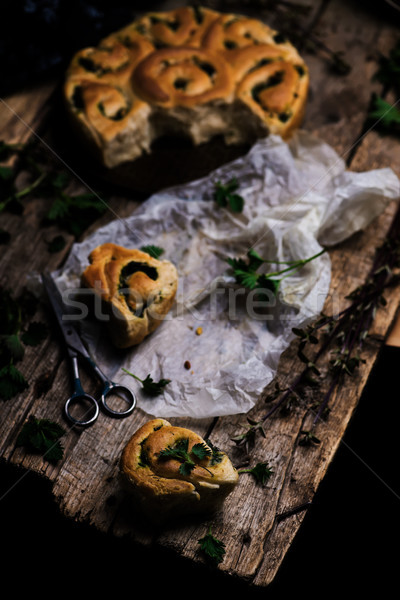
(299, 198)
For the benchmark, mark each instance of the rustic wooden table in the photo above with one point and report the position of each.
(258, 525)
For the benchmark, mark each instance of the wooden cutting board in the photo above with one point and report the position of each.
(257, 524)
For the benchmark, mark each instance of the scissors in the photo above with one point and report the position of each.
(76, 349)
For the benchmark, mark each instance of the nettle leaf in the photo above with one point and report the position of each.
(212, 547)
(153, 251)
(150, 387)
(12, 382)
(13, 345)
(387, 114)
(261, 472)
(154, 388)
(42, 436)
(201, 451)
(225, 197)
(236, 202)
(186, 468)
(6, 173)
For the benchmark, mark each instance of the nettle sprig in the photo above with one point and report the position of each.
(180, 452)
(149, 386)
(41, 178)
(225, 195)
(246, 271)
(341, 336)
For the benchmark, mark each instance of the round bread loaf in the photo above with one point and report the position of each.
(171, 471)
(136, 290)
(190, 72)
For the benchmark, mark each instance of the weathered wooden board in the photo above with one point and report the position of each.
(257, 524)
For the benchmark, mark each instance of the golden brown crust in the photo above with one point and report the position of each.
(276, 93)
(181, 77)
(136, 290)
(192, 59)
(156, 483)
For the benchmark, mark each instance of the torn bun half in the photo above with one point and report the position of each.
(136, 290)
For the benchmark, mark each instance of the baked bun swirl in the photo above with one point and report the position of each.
(187, 72)
(275, 92)
(136, 290)
(182, 77)
(165, 485)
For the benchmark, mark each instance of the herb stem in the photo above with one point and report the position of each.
(132, 375)
(27, 190)
(296, 264)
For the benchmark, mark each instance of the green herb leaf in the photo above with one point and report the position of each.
(186, 467)
(261, 472)
(13, 344)
(217, 455)
(180, 451)
(212, 547)
(154, 388)
(246, 274)
(6, 173)
(42, 436)
(153, 251)
(12, 382)
(201, 451)
(150, 387)
(224, 195)
(386, 114)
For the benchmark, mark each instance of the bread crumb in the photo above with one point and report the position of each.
(199, 331)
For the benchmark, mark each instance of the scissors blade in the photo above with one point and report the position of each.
(68, 328)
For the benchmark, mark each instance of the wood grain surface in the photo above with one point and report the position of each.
(257, 524)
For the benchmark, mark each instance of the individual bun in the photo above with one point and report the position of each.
(164, 487)
(136, 290)
(191, 72)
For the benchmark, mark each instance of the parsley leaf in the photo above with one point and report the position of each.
(150, 387)
(261, 472)
(212, 547)
(153, 251)
(42, 436)
(225, 197)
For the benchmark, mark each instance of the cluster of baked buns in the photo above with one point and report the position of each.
(192, 72)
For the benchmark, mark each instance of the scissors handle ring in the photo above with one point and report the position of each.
(81, 398)
(122, 392)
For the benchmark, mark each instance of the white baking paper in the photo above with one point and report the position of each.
(299, 198)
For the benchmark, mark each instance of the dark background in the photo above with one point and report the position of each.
(348, 542)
